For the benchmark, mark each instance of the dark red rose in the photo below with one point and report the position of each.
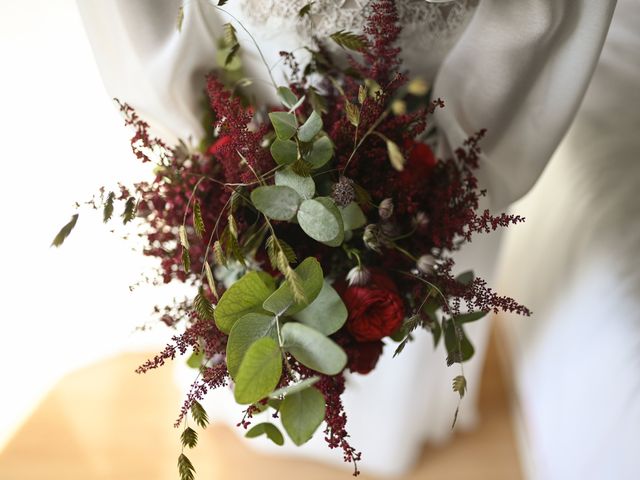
(363, 356)
(420, 162)
(375, 310)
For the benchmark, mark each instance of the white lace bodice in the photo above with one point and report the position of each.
(429, 29)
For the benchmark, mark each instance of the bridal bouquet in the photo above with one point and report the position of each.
(315, 233)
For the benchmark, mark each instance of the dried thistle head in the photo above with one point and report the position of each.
(343, 192)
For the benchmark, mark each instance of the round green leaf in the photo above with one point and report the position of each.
(321, 220)
(244, 333)
(268, 429)
(296, 387)
(282, 302)
(284, 124)
(353, 216)
(305, 186)
(245, 296)
(287, 97)
(302, 413)
(313, 349)
(310, 128)
(327, 313)
(276, 201)
(259, 372)
(320, 153)
(284, 152)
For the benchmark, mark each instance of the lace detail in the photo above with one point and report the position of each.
(430, 29)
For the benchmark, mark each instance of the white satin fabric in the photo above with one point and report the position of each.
(519, 69)
(576, 264)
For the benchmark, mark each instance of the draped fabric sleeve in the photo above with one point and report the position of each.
(145, 61)
(520, 70)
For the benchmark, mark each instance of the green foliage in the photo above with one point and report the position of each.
(180, 18)
(287, 97)
(310, 128)
(349, 40)
(305, 186)
(460, 385)
(395, 155)
(326, 314)
(259, 371)
(229, 34)
(199, 414)
(182, 234)
(353, 113)
(221, 3)
(284, 124)
(352, 216)
(65, 231)
(276, 201)
(313, 349)
(469, 317)
(307, 279)
(210, 279)
(276, 247)
(245, 296)
(296, 387)
(185, 468)
(465, 278)
(198, 222)
(195, 360)
(306, 10)
(268, 429)
(244, 333)
(302, 413)
(284, 152)
(321, 220)
(202, 306)
(459, 348)
(107, 211)
(189, 437)
(362, 94)
(317, 101)
(320, 152)
(129, 212)
(186, 260)
(218, 254)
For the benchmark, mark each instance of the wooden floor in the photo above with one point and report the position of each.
(106, 423)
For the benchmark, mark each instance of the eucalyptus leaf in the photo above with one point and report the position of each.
(305, 186)
(302, 413)
(313, 349)
(352, 216)
(465, 278)
(469, 317)
(458, 350)
(259, 372)
(310, 128)
(296, 387)
(195, 360)
(276, 201)
(245, 296)
(320, 152)
(287, 97)
(284, 152)
(327, 313)
(284, 124)
(321, 220)
(269, 429)
(244, 333)
(282, 301)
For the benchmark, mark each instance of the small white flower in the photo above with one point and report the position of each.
(385, 210)
(420, 220)
(425, 264)
(358, 276)
(371, 237)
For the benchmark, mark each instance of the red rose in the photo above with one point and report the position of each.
(375, 310)
(420, 162)
(363, 356)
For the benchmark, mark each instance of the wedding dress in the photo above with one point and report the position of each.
(519, 69)
(576, 264)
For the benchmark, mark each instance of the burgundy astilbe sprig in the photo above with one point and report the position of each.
(142, 143)
(336, 436)
(210, 378)
(233, 119)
